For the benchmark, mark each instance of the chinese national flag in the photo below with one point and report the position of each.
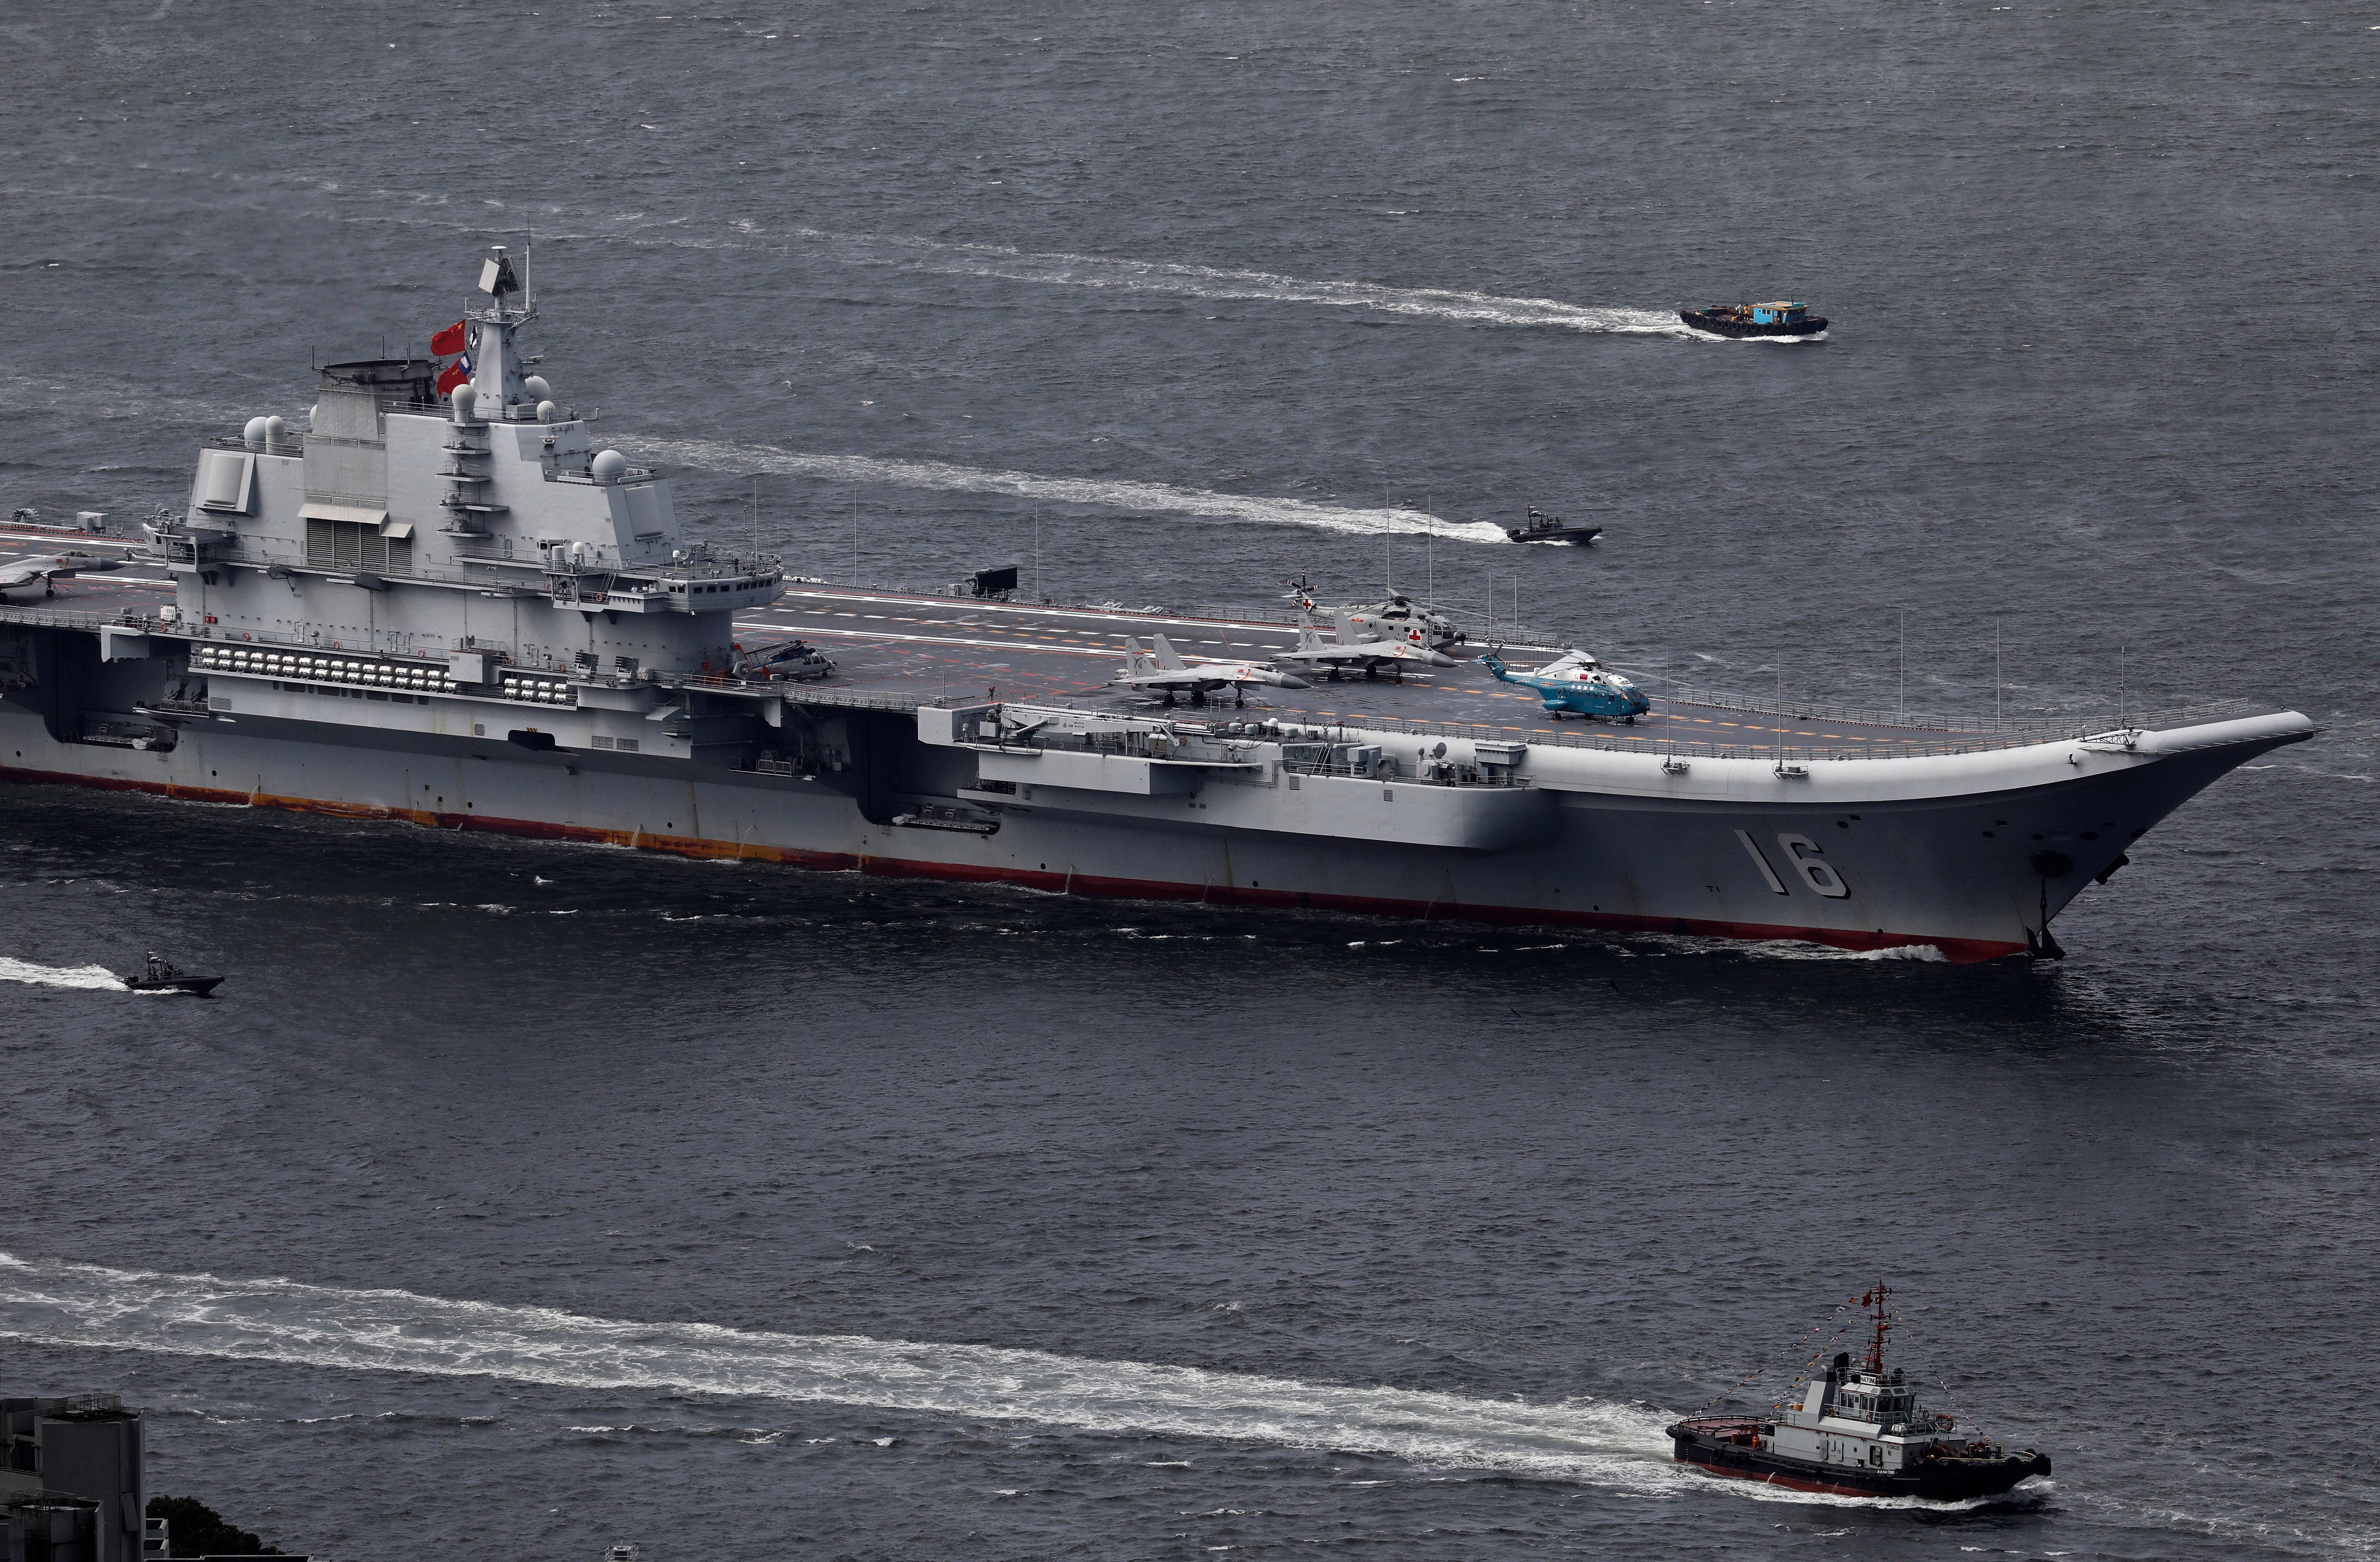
(449, 341)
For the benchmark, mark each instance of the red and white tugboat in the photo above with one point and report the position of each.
(1857, 1432)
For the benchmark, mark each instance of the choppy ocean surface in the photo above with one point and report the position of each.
(528, 1197)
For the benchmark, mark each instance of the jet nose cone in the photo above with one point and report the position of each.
(1440, 659)
(1288, 681)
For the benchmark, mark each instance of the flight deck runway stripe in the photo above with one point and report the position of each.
(879, 635)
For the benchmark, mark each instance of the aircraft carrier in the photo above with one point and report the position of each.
(458, 610)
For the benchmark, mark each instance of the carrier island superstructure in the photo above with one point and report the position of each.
(461, 611)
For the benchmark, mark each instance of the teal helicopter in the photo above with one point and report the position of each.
(1575, 684)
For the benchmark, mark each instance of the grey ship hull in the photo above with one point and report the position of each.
(1925, 856)
(457, 612)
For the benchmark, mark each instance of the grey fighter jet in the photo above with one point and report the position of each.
(1165, 671)
(1345, 651)
(44, 569)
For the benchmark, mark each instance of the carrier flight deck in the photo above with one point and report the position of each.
(895, 642)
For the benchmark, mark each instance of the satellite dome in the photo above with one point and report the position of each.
(461, 396)
(609, 465)
(537, 387)
(253, 434)
(547, 411)
(275, 427)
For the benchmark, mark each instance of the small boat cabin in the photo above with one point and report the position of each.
(1780, 314)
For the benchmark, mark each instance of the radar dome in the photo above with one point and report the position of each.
(275, 427)
(609, 465)
(537, 387)
(253, 434)
(461, 396)
(547, 411)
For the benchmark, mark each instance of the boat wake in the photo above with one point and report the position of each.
(20, 392)
(1004, 262)
(1598, 1443)
(283, 1321)
(382, 206)
(1224, 285)
(96, 979)
(1105, 494)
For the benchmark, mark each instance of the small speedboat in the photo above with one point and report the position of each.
(157, 976)
(1778, 319)
(1543, 528)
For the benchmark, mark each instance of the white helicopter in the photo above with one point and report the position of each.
(1347, 652)
(1165, 671)
(1398, 617)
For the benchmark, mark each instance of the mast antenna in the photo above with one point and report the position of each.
(1876, 1344)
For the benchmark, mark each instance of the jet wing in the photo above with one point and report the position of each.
(1405, 650)
(25, 571)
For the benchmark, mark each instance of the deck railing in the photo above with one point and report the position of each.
(1900, 734)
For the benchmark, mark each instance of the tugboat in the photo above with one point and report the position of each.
(1857, 1431)
(1756, 320)
(1543, 528)
(160, 977)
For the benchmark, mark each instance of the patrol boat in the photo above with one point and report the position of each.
(1857, 1431)
(158, 975)
(442, 597)
(1542, 528)
(1777, 319)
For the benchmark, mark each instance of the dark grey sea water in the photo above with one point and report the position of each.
(519, 1198)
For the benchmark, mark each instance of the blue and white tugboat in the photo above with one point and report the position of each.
(1857, 1431)
(1779, 318)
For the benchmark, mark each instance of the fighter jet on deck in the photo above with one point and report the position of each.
(1167, 672)
(46, 568)
(1347, 652)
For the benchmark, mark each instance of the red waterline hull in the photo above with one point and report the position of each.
(1958, 950)
(1792, 1483)
(1953, 1480)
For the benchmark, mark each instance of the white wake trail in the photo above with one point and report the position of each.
(1101, 493)
(73, 1305)
(1042, 268)
(1059, 269)
(1003, 263)
(24, 392)
(88, 978)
